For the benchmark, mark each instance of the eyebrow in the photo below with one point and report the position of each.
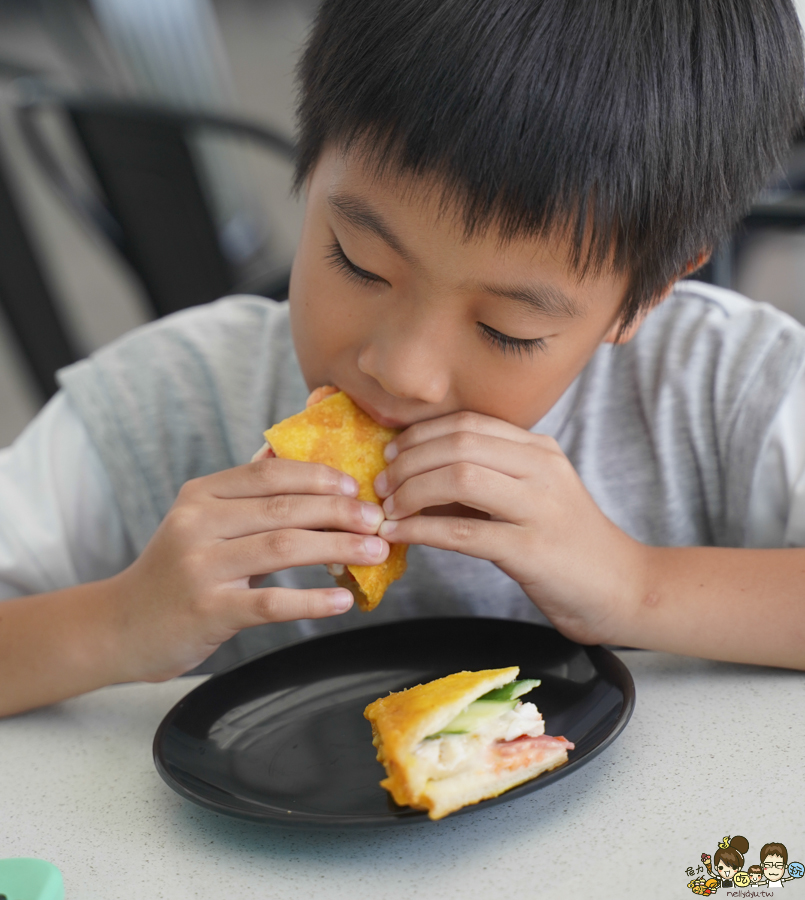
(541, 298)
(356, 212)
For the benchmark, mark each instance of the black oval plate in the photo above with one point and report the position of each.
(282, 738)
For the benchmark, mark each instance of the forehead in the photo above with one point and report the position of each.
(416, 217)
(354, 177)
(773, 858)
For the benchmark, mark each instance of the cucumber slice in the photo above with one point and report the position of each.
(511, 691)
(490, 706)
(475, 715)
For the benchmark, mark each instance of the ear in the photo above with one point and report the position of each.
(697, 263)
(615, 336)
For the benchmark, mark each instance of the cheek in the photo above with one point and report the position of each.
(325, 325)
(521, 395)
(310, 316)
(528, 391)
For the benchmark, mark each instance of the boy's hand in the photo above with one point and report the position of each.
(190, 589)
(540, 526)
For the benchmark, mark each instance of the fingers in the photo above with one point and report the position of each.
(274, 550)
(473, 537)
(456, 422)
(473, 460)
(266, 477)
(476, 486)
(245, 609)
(253, 515)
(515, 459)
(265, 452)
(320, 393)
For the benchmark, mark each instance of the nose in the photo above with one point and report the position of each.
(409, 360)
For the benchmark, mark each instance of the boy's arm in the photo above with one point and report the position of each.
(594, 582)
(190, 590)
(729, 604)
(57, 645)
(60, 524)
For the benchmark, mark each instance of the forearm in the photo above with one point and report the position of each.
(728, 604)
(57, 645)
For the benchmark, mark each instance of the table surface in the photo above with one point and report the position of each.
(712, 749)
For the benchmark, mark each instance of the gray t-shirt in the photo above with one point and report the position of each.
(665, 432)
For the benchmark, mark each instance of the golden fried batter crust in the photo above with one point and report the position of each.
(338, 433)
(402, 720)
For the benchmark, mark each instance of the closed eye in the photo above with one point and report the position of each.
(340, 261)
(508, 344)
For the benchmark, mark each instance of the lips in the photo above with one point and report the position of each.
(385, 421)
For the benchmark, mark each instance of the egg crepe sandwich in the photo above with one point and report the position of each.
(334, 431)
(461, 739)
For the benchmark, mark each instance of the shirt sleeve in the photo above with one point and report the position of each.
(59, 522)
(776, 515)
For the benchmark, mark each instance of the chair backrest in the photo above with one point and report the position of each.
(153, 205)
(150, 184)
(26, 298)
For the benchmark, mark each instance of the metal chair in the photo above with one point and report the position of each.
(781, 206)
(149, 198)
(26, 298)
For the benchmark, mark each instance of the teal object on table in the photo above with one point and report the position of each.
(30, 879)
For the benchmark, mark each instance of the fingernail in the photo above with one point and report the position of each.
(388, 505)
(373, 546)
(341, 600)
(391, 451)
(388, 528)
(371, 514)
(381, 484)
(349, 486)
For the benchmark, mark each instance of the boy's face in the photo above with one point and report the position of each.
(391, 304)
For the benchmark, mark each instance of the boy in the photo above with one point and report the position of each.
(498, 193)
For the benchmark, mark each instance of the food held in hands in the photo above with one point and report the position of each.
(334, 431)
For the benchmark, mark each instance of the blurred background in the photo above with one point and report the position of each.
(145, 163)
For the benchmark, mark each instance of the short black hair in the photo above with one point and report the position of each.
(642, 129)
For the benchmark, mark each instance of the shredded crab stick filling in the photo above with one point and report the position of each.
(527, 751)
(497, 733)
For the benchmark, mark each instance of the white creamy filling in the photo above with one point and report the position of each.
(454, 753)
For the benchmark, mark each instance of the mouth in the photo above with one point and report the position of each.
(385, 421)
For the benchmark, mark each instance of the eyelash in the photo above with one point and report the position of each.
(339, 260)
(503, 342)
(507, 344)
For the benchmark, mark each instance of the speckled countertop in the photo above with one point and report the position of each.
(712, 750)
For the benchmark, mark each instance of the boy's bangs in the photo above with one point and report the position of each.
(588, 229)
(640, 130)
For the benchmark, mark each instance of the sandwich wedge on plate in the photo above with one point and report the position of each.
(461, 739)
(334, 431)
